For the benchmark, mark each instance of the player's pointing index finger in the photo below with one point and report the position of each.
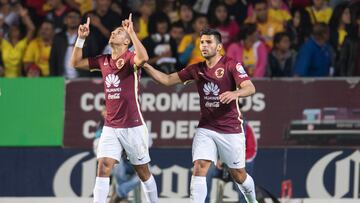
(88, 22)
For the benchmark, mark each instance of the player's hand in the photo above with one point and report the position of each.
(84, 29)
(227, 97)
(23, 12)
(128, 24)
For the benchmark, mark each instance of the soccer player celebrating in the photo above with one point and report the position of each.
(124, 125)
(220, 81)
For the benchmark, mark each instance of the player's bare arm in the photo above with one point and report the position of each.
(77, 60)
(162, 78)
(246, 88)
(141, 56)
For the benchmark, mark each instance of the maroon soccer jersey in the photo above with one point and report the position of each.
(226, 75)
(121, 87)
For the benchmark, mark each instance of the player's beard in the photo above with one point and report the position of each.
(209, 54)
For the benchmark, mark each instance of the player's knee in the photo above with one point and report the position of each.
(201, 167)
(104, 167)
(239, 175)
(143, 172)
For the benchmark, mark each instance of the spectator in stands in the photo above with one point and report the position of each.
(220, 20)
(13, 46)
(170, 8)
(36, 10)
(279, 11)
(160, 46)
(339, 25)
(9, 12)
(334, 3)
(319, 12)
(237, 10)
(103, 20)
(84, 6)
(266, 26)
(189, 51)
(295, 4)
(177, 32)
(219, 171)
(146, 9)
(348, 63)
(37, 54)
(281, 59)
(57, 13)
(354, 10)
(315, 56)
(299, 27)
(251, 51)
(186, 16)
(119, 7)
(202, 7)
(62, 47)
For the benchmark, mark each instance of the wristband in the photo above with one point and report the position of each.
(79, 43)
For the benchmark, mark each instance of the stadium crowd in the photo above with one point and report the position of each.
(272, 38)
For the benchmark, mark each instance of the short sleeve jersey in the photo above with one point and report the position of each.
(121, 87)
(226, 75)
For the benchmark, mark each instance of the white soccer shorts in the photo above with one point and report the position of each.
(209, 145)
(135, 142)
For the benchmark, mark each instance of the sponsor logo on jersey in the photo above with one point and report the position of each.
(240, 69)
(211, 91)
(112, 83)
(112, 80)
(210, 87)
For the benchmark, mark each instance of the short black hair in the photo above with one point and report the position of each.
(319, 29)
(197, 16)
(214, 32)
(72, 11)
(246, 30)
(177, 24)
(156, 18)
(256, 2)
(279, 36)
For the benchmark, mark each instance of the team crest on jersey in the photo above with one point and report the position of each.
(240, 68)
(219, 73)
(120, 63)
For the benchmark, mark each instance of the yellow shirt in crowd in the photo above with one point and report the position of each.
(268, 31)
(321, 16)
(12, 57)
(279, 15)
(195, 54)
(85, 5)
(249, 60)
(143, 29)
(342, 35)
(38, 53)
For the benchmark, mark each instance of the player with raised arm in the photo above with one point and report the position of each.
(220, 81)
(124, 127)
